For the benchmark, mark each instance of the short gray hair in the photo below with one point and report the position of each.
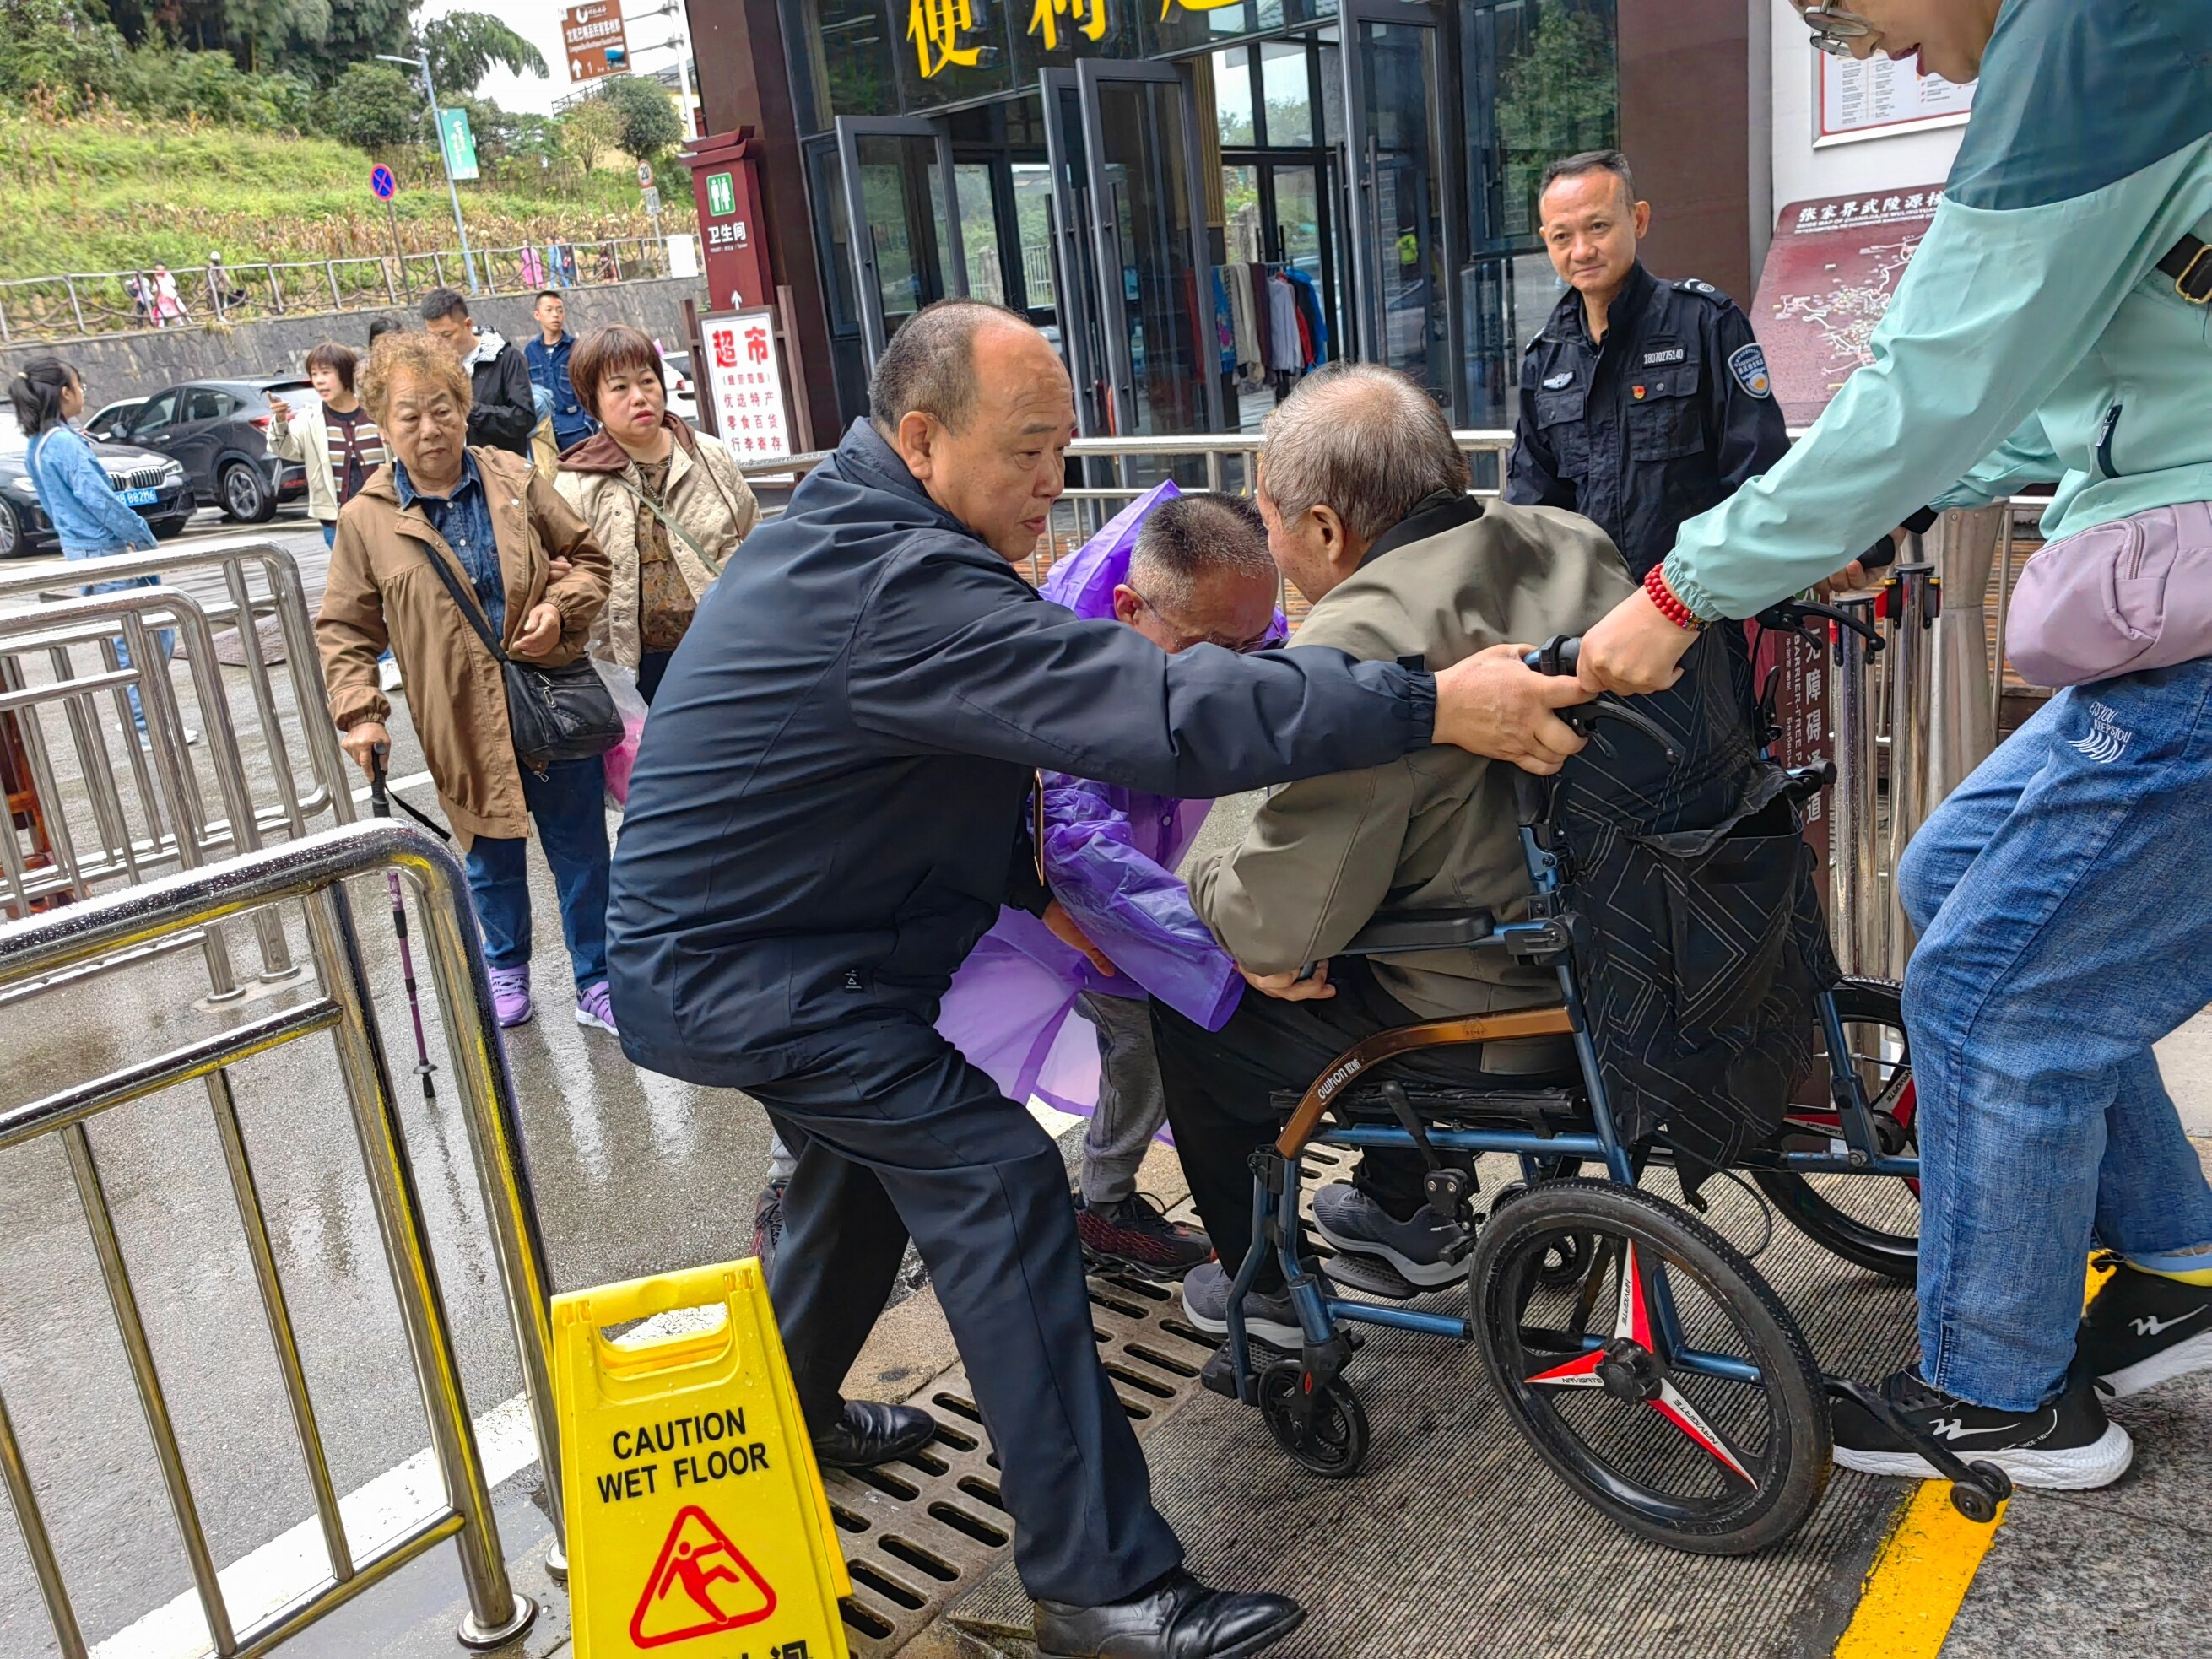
(1362, 439)
(930, 364)
(1185, 541)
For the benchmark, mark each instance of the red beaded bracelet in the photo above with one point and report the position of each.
(1670, 607)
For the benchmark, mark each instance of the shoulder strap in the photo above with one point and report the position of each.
(470, 609)
(660, 511)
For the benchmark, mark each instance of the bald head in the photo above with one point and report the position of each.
(934, 362)
(976, 404)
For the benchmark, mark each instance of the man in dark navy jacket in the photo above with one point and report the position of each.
(826, 815)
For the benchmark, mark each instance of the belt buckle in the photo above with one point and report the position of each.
(2198, 270)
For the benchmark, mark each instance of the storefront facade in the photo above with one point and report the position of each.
(1200, 201)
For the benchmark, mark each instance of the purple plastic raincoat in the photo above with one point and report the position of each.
(1110, 858)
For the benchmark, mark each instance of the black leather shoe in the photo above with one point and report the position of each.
(1178, 1618)
(870, 1433)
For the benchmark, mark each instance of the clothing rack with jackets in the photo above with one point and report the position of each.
(1274, 325)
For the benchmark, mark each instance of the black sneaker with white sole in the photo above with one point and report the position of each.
(2068, 1445)
(2144, 1329)
(1272, 1319)
(1419, 1251)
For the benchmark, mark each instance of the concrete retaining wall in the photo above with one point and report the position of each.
(132, 365)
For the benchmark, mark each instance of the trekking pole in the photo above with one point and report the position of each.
(380, 804)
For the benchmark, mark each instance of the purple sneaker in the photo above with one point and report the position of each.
(510, 996)
(595, 1007)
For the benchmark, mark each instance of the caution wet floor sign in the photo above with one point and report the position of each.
(697, 1526)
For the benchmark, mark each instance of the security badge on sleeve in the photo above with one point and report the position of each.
(1749, 365)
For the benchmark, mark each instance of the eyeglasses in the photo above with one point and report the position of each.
(1185, 639)
(1835, 28)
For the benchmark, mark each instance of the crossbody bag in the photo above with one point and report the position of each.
(552, 714)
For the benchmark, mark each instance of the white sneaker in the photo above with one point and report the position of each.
(387, 676)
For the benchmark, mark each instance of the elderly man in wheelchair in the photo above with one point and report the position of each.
(1621, 968)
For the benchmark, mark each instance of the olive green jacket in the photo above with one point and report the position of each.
(1435, 830)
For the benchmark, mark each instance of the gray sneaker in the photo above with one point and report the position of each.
(1354, 1223)
(1270, 1319)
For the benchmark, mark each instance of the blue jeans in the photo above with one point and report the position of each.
(2063, 897)
(165, 639)
(569, 807)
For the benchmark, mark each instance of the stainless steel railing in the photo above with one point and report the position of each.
(93, 837)
(311, 872)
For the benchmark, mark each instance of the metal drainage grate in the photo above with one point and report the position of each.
(917, 1531)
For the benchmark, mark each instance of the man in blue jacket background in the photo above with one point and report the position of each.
(826, 815)
(548, 357)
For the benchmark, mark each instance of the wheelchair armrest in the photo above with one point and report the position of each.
(1421, 930)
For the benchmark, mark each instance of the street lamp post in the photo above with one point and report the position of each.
(430, 91)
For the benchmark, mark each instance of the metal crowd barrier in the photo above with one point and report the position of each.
(312, 870)
(92, 835)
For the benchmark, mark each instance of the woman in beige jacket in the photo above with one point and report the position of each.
(667, 504)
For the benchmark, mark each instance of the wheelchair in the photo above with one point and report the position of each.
(1640, 1353)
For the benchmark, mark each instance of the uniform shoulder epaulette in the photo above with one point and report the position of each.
(1704, 289)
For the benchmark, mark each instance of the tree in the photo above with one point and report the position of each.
(52, 47)
(650, 126)
(590, 128)
(261, 34)
(463, 45)
(1559, 94)
(373, 107)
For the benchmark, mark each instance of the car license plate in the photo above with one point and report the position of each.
(140, 497)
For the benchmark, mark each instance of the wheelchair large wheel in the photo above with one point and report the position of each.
(1871, 1221)
(1670, 1388)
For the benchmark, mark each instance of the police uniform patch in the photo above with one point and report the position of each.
(1749, 365)
(1695, 285)
(1553, 382)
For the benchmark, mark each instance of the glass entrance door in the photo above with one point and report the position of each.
(1075, 285)
(901, 203)
(1395, 152)
(1154, 282)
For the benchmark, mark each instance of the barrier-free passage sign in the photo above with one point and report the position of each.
(697, 1525)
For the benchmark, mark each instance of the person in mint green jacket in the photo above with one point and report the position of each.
(2053, 324)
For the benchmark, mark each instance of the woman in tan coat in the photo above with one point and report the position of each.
(668, 504)
(498, 528)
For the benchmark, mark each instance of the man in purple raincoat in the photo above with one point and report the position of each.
(1182, 571)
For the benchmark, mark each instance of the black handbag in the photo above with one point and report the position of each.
(552, 714)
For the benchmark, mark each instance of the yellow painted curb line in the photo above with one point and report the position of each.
(1924, 1568)
(1920, 1576)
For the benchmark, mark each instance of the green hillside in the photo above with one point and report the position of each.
(113, 193)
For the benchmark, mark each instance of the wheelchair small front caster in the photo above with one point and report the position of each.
(1566, 1259)
(1978, 1499)
(1327, 1434)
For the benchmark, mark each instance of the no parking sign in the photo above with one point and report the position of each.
(694, 1505)
(381, 181)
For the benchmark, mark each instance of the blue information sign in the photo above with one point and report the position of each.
(381, 181)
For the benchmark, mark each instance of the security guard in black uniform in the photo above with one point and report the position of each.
(1642, 403)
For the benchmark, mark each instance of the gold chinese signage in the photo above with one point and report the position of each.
(1086, 17)
(939, 28)
(936, 27)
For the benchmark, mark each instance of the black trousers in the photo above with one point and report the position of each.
(1219, 1084)
(897, 1133)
